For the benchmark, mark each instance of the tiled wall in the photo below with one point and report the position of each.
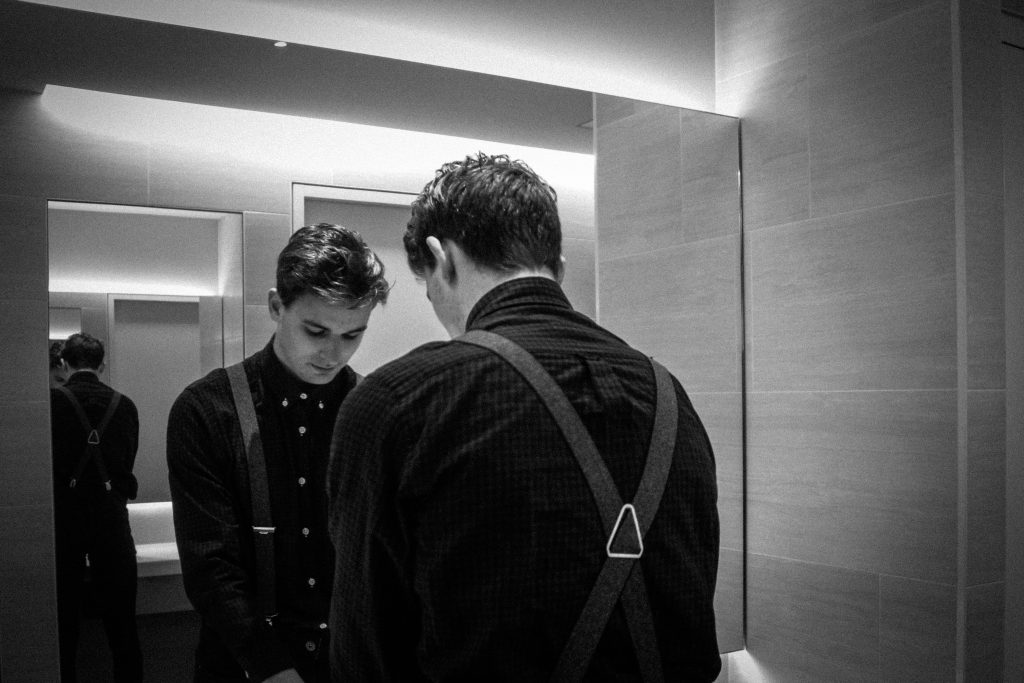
(875, 421)
(45, 159)
(668, 227)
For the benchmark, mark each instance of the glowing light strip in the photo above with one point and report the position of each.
(129, 287)
(387, 157)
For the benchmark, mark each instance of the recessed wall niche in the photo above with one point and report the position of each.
(161, 288)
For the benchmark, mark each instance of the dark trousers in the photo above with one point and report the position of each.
(215, 664)
(97, 528)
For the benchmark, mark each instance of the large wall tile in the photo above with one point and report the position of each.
(729, 601)
(772, 105)
(23, 336)
(864, 480)
(881, 116)
(264, 236)
(23, 247)
(986, 489)
(751, 33)
(986, 308)
(985, 633)
(639, 176)
(28, 602)
(25, 470)
(722, 416)
(982, 101)
(810, 623)
(917, 631)
(865, 300)
(580, 282)
(710, 184)
(680, 305)
(44, 157)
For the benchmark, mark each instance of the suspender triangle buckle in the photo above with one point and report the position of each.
(94, 438)
(638, 545)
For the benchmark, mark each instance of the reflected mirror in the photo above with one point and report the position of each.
(161, 289)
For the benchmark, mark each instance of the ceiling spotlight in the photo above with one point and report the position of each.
(280, 43)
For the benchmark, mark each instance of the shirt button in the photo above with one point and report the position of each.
(302, 430)
(310, 645)
(311, 582)
(305, 531)
(303, 397)
(284, 403)
(323, 627)
(321, 405)
(302, 481)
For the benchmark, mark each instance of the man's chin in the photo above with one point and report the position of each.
(315, 375)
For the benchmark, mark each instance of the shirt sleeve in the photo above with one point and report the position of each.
(373, 625)
(209, 538)
(131, 483)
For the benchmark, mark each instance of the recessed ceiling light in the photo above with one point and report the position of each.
(280, 43)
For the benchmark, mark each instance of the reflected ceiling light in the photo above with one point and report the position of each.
(114, 286)
(385, 158)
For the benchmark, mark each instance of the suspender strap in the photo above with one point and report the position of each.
(621, 577)
(95, 435)
(259, 491)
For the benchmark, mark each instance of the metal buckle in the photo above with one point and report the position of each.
(264, 530)
(615, 531)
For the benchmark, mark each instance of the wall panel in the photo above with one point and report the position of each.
(669, 249)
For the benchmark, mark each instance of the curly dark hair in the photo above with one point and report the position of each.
(333, 263)
(499, 211)
(83, 351)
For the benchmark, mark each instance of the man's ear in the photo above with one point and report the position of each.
(445, 265)
(274, 304)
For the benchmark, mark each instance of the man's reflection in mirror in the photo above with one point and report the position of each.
(95, 432)
(247, 452)
(58, 373)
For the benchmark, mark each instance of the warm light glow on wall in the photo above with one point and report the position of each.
(275, 140)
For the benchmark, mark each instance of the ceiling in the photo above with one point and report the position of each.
(42, 45)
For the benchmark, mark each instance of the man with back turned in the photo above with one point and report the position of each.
(95, 440)
(533, 500)
(247, 451)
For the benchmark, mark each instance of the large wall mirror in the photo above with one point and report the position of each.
(655, 254)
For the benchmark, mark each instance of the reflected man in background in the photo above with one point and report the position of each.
(468, 535)
(58, 375)
(95, 439)
(247, 453)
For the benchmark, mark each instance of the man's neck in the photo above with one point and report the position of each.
(74, 371)
(475, 284)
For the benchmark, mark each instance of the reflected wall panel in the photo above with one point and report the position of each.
(668, 228)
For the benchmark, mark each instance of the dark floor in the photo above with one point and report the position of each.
(168, 644)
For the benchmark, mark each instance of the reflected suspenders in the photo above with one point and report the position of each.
(621, 577)
(92, 442)
(259, 491)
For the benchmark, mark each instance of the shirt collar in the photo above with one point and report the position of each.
(519, 296)
(281, 384)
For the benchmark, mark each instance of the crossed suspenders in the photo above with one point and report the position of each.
(625, 524)
(92, 442)
(621, 577)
